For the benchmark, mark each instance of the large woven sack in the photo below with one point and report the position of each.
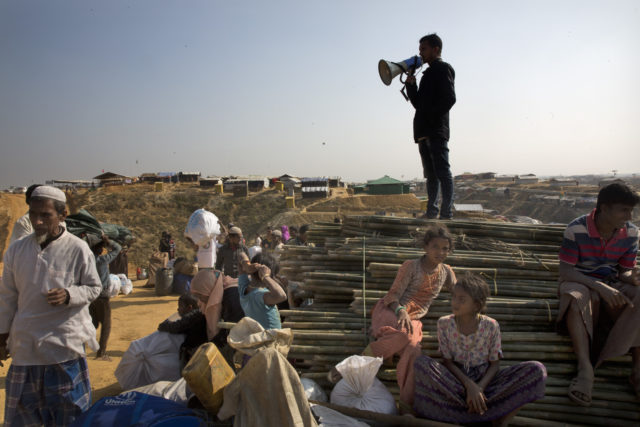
(248, 337)
(184, 266)
(157, 260)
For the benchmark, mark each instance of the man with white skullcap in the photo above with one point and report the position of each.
(48, 281)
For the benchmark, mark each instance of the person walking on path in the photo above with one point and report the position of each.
(100, 308)
(432, 101)
(48, 281)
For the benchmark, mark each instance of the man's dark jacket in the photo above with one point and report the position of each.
(229, 257)
(433, 100)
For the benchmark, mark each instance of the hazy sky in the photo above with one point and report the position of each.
(272, 87)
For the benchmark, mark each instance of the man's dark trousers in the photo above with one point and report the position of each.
(435, 163)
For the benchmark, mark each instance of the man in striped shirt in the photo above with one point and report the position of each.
(600, 285)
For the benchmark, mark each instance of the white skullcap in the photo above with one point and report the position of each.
(48, 192)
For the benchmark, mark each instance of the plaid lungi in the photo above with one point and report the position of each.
(50, 395)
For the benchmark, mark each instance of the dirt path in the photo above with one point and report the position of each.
(133, 316)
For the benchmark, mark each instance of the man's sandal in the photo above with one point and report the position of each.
(580, 390)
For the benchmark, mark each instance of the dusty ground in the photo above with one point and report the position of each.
(133, 316)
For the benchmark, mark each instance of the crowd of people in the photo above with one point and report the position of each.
(52, 297)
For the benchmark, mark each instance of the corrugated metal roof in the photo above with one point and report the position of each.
(384, 180)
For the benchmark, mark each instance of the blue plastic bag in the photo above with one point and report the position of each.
(137, 409)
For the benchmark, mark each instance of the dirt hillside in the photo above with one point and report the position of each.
(148, 213)
(12, 207)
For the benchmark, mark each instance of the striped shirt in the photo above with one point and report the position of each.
(584, 248)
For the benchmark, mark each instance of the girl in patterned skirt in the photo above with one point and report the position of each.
(469, 386)
(395, 321)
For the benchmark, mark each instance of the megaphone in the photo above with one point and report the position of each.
(389, 70)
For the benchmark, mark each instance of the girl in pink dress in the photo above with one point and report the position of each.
(395, 320)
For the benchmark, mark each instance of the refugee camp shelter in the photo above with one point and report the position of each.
(563, 182)
(111, 178)
(486, 175)
(150, 177)
(505, 178)
(210, 181)
(335, 181)
(285, 179)
(188, 176)
(387, 185)
(467, 176)
(70, 183)
(527, 179)
(315, 187)
(252, 182)
(168, 176)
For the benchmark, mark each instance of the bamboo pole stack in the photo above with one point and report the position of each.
(354, 264)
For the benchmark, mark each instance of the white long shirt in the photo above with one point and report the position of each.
(39, 333)
(21, 228)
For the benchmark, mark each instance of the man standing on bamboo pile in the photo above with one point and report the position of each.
(432, 101)
(600, 288)
(49, 279)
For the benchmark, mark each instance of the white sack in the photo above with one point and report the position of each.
(313, 391)
(114, 286)
(178, 391)
(150, 359)
(359, 387)
(207, 255)
(202, 227)
(253, 251)
(125, 284)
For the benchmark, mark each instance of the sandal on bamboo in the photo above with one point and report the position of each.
(584, 385)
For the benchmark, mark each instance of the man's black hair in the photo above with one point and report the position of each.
(27, 195)
(616, 193)
(432, 40)
(268, 260)
(304, 229)
(98, 248)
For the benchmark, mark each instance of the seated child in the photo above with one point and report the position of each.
(469, 387)
(260, 294)
(192, 323)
